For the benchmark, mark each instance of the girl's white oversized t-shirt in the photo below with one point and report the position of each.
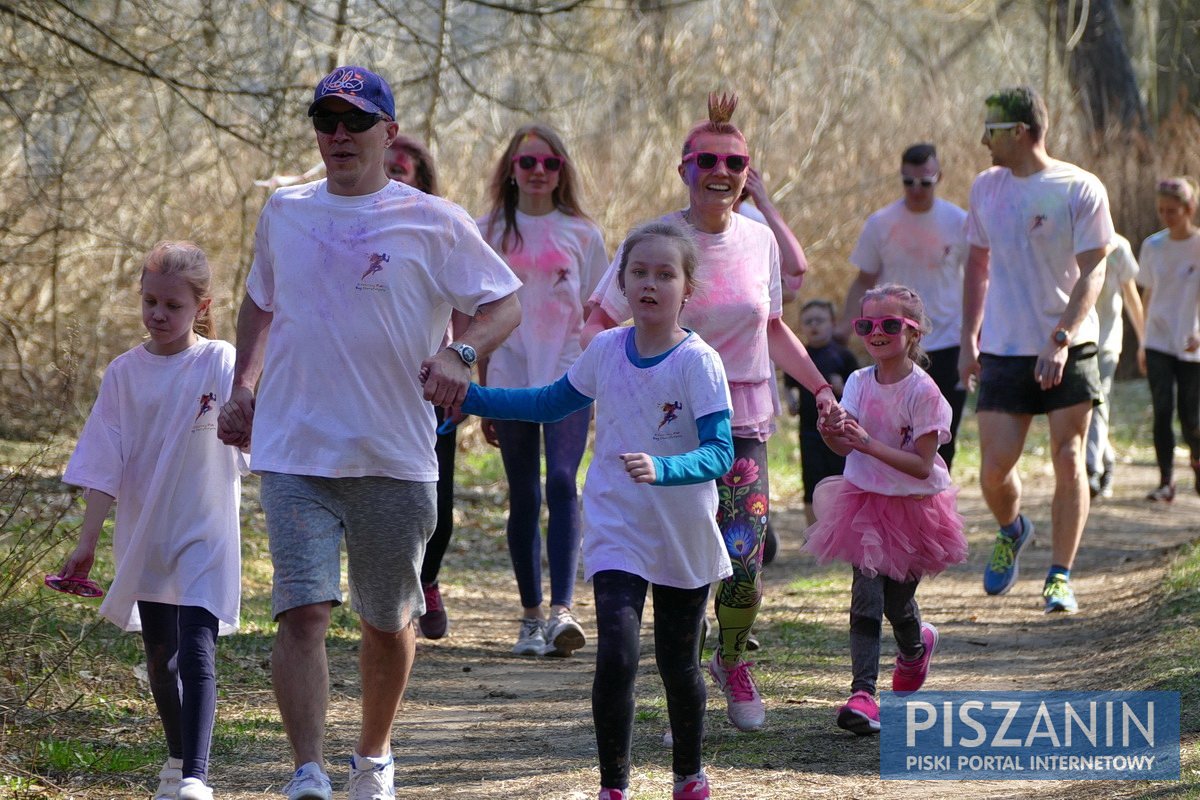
(665, 534)
(1170, 269)
(151, 442)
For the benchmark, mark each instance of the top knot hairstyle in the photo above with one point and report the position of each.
(720, 112)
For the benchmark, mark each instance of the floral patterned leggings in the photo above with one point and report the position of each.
(742, 511)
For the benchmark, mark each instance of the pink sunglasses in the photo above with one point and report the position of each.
(549, 161)
(865, 326)
(81, 587)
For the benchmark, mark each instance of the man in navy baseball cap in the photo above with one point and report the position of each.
(358, 86)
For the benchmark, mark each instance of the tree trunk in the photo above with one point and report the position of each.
(1098, 64)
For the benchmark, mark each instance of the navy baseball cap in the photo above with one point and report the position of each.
(359, 87)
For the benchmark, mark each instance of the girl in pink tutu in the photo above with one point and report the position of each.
(892, 513)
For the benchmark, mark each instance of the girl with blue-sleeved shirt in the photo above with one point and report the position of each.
(650, 500)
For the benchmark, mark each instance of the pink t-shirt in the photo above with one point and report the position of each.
(560, 261)
(739, 292)
(896, 414)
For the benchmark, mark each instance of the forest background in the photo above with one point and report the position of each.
(130, 121)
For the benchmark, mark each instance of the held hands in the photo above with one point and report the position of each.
(830, 414)
(445, 378)
(235, 423)
(640, 467)
(850, 434)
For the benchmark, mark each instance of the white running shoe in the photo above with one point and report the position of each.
(168, 779)
(370, 780)
(193, 789)
(309, 783)
(531, 641)
(564, 634)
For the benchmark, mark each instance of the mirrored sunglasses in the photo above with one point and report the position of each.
(865, 326)
(355, 121)
(81, 587)
(991, 127)
(926, 182)
(734, 162)
(549, 161)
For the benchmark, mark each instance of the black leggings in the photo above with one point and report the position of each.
(435, 549)
(872, 599)
(181, 655)
(1169, 376)
(620, 597)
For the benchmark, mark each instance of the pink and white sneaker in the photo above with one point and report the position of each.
(613, 794)
(744, 706)
(694, 787)
(860, 715)
(909, 676)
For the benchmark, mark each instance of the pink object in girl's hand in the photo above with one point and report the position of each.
(81, 587)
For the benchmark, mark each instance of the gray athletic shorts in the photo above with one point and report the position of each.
(385, 522)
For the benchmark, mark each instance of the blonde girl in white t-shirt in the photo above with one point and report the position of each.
(1170, 353)
(892, 513)
(537, 225)
(151, 445)
(663, 436)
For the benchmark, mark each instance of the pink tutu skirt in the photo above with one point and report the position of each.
(905, 538)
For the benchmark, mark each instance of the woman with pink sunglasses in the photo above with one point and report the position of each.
(738, 310)
(537, 225)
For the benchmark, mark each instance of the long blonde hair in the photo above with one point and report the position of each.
(187, 261)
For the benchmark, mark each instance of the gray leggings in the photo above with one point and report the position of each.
(872, 599)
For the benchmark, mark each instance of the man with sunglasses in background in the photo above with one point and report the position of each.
(919, 241)
(1038, 231)
(354, 277)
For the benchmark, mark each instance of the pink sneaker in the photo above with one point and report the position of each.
(433, 622)
(910, 675)
(860, 715)
(696, 789)
(613, 794)
(744, 705)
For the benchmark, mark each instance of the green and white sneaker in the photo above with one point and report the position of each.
(1001, 572)
(1059, 597)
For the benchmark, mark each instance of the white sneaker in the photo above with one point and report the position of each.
(193, 789)
(564, 634)
(531, 641)
(370, 780)
(744, 705)
(168, 779)
(309, 783)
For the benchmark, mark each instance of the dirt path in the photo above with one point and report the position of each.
(479, 723)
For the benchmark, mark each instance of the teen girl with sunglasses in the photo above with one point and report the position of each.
(537, 225)
(738, 311)
(892, 513)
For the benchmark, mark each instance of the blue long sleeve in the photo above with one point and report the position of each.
(709, 461)
(537, 404)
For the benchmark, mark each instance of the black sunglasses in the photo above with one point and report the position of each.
(355, 121)
(733, 162)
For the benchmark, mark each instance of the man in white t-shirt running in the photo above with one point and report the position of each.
(919, 241)
(354, 278)
(1038, 230)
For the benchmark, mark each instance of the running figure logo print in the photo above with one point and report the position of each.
(670, 413)
(376, 263)
(206, 401)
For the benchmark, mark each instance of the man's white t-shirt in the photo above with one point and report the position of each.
(925, 252)
(739, 292)
(559, 263)
(897, 414)
(151, 442)
(1119, 268)
(360, 289)
(1171, 271)
(665, 534)
(1034, 227)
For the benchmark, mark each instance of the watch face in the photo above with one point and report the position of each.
(465, 352)
(1060, 336)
